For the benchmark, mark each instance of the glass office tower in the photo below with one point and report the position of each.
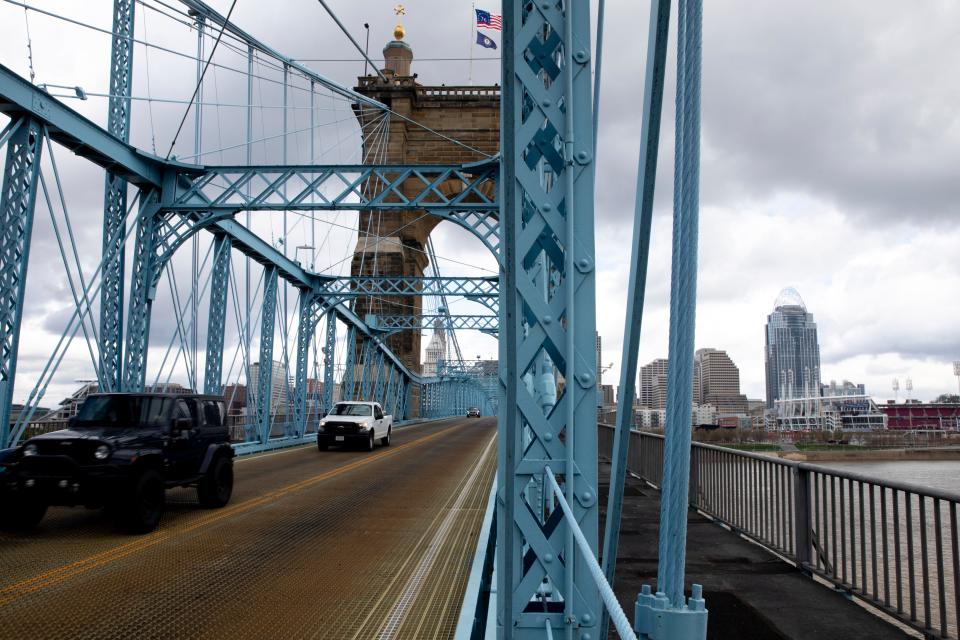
(792, 355)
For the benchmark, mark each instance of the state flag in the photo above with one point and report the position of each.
(485, 42)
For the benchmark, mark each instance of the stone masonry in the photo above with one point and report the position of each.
(394, 243)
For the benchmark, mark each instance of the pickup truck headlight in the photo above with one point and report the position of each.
(30, 450)
(363, 426)
(102, 452)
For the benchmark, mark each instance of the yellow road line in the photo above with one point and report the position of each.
(55, 576)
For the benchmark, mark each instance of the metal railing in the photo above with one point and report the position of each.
(891, 544)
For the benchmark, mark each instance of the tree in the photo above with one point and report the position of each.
(948, 398)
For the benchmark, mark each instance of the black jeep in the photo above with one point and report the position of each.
(121, 451)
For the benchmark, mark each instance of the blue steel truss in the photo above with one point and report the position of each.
(115, 199)
(264, 389)
(329, 359)
(547, 306)
(177, 200)
(17, 199)
(485, 290)
(335, 187)
(216, 322)
(393, 323)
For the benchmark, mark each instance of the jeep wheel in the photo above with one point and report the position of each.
(385, 440)
(215, 488)
(20, 514)
(370, 441)
(140, 510)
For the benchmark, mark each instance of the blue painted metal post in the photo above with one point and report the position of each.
(389, 404)
(17, 200)
(115, 199)
(378, 386)
(305, 328)
(268, 318)
(217, 318)
(547, 208)
(643, 213)
(143, 289)
(687, 620)
(404, 391)
(329, 360)
(366, 356)
(350, 371)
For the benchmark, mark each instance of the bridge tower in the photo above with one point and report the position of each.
(429, 125)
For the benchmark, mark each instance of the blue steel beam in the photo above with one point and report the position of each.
(115, 199)
(338, 187)
(350, 370)
(84, 138)
(217, 318)
(305, 328)
(329, 359)
(486, 288)
(17, 202)
(143, 289)
(268, 317)
(390, 324)
(547, 231)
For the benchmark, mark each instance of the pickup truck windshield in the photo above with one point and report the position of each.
(352, 410)
(122, 411)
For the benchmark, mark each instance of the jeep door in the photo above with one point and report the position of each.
(184, 453)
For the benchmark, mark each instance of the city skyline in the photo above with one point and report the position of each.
(813, 220)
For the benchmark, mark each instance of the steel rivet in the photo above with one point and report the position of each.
(548, 558)
(547, 206)
(548, 436)
(545, 103)
(547, 319)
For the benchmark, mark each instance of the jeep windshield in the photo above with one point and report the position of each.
(123, 411)
(352, 410)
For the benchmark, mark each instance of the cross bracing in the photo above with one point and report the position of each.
(393, 323)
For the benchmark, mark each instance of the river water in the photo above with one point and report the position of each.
(939, 474)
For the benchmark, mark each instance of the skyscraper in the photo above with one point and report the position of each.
(792, 355)
(653, 378)
(717, 382)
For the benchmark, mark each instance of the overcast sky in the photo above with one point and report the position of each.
(831, 148)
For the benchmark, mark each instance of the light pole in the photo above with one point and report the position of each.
(366, 50)
(956, 372)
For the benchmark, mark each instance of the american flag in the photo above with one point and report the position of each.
(487, 20)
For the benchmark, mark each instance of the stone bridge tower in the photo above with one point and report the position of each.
(395, 243)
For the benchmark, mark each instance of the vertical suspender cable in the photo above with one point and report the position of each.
(676, 465)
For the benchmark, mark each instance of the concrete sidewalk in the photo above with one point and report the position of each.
(750, 593)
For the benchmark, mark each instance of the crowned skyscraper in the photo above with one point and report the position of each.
(792, 354)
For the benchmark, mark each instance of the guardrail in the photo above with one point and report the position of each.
(893, 545)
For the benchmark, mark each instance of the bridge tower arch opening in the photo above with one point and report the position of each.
(429, 125)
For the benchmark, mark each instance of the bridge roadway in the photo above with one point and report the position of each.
(339, 544)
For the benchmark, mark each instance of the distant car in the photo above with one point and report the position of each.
(121, 451)
(473, 412)
(360, 423)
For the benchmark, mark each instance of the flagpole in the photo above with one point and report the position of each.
(473, 28)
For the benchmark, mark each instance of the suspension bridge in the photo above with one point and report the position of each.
(281, 257)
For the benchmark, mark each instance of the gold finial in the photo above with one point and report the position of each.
(398, 31)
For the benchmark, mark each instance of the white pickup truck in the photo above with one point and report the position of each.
(355, 423)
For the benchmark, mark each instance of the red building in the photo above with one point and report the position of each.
(943, 417)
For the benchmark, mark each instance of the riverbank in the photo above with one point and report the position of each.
(858, 454)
